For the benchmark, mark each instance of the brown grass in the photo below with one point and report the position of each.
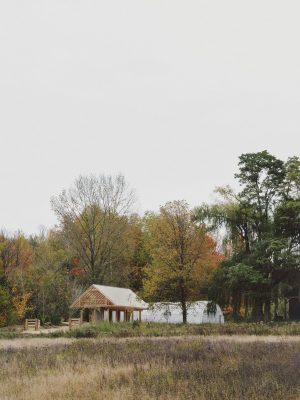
(165, 368)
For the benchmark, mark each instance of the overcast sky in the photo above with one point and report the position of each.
(167, 92)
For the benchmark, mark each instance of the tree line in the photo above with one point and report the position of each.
(99, 239)
(259, 277)
(170, 255)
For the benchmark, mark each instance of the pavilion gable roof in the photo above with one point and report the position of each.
(100, 295)
(121, 296)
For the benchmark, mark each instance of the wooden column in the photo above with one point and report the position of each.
(101, 314)
(110, 315)
(94, 315)
(81, 316)
(118, 315)
(140, 315)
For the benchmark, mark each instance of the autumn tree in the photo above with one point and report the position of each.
(183, 256)
(50, 279)
(16, 256)
(6, 307)
(138, 254)
(93, 219)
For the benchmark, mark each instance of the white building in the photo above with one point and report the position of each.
(197, 313)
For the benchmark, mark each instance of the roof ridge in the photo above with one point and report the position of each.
(113, 287)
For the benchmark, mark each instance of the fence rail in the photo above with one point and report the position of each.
(74, 323)
(32, 324)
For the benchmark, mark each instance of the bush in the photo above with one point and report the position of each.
(135, 324)
(55, 319)
(6, 308)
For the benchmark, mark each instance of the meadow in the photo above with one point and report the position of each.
(135, 329)
(148, 329)
(150, 368)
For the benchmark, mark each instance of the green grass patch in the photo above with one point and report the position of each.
(151, 329)
(126, 329)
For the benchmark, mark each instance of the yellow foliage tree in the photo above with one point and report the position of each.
(183, 256)
(20, 303)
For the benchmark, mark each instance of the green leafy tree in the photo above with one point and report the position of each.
(261, 224)
(7, 315)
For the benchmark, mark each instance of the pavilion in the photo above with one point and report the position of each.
(107, 303)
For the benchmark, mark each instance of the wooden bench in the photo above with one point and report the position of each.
(74, 323)
(32, 325)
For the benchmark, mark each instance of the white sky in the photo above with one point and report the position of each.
(167, 92)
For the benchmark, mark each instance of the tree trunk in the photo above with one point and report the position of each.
(285, 310)
(246, 308)
(257, 310)
(276, 305)
(184, 312)
(183, 301)
(267, 309)
(236, 306)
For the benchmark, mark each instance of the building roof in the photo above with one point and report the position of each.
(121, 297)
(100, 295)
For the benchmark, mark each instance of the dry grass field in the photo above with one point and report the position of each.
(150, 368)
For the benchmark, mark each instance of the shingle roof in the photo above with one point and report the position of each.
(121, 296)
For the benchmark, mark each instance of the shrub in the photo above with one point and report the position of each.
(6, 308)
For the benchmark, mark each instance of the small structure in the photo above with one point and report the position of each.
(198, 313)
(107, 303)
(31, 325)
(74, 323)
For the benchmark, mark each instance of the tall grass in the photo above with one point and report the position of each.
(152, 369)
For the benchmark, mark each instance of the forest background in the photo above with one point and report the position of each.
(242, 251)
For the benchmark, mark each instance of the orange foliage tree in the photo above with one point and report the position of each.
(20, 303)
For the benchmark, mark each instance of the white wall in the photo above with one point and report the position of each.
(170, 312)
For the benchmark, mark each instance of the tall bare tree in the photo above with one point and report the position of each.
(93, 217)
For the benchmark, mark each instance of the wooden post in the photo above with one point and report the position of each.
(118, 315)
(74, 323)
(30, 324)
(102, 314)
(94, 315)
(110, 315)
(140, 315)
(81, 316)
(105, 312)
